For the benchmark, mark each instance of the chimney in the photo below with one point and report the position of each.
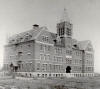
(35, 26)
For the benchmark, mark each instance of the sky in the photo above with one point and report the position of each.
(19, 15)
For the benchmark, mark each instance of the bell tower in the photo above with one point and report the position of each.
(64, 27)
(64, 32)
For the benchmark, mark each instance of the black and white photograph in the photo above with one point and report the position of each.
(49, 44)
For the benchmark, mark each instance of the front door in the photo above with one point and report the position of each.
(68, 69)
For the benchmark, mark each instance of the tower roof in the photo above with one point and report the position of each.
(65, 16)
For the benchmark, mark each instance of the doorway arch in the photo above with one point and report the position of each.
(68, 69)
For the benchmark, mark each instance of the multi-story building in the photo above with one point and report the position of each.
(44, 53)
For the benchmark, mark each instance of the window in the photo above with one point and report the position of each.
(62, 31)
(69, 52)
(89, 56)
(80, 61)
(50, 66)
(89, 49)
(11, 41)
(54, 67)
(41, 57)
(59, 31)
(68, 32)
(62, 59)
(49, 48)
(70, 61)
(38, 66)
(41, 47)
(45, 38)
(38, 75)
(27, 36)
(49, 57)
(19, 39)
(45, 47)
(54, 58)
(44, 67)
(45, 57)
(58, 50)
(21, 66)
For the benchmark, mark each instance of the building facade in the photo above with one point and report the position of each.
(40, 51)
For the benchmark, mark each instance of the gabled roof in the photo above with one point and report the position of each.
(53, 35)
(34, 33)
(83, 44)
(25, 36)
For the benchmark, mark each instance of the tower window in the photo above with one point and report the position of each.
(59, 31)
(68, 32)
(62, 31)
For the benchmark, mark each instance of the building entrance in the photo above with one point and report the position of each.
(68, 69)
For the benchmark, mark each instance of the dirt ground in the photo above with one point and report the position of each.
(52, 83)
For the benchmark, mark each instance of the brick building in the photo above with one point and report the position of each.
(39, 51)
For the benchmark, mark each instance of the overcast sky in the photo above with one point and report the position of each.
(19, 15)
